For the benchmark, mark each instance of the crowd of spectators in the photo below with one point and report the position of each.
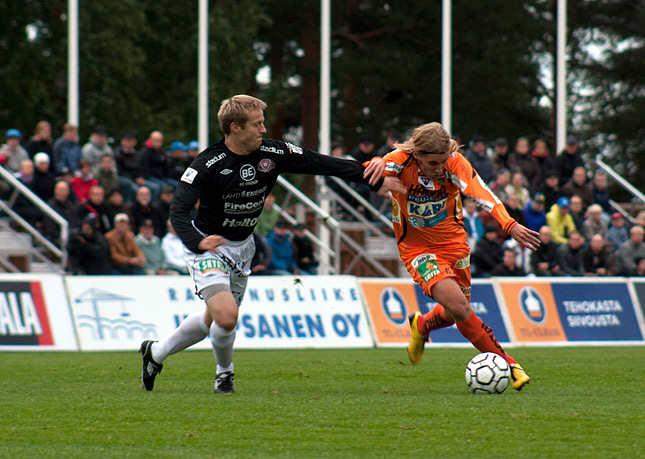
(117, 203)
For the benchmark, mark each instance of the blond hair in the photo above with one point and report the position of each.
(429, 138)
(236, 110)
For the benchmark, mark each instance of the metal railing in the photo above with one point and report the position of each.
(623, 183)
(20, 188)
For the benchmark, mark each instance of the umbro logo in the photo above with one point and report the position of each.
(226, 171)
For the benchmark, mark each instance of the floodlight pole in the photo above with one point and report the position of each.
(325, 124)
(202, 84)
(561, 78)
(446, 65)
(72, 63)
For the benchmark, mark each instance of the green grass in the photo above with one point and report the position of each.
(584, 402)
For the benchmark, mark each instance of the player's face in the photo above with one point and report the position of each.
(432, 165)
(251, 134)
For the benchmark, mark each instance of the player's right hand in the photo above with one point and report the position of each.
(210, 243)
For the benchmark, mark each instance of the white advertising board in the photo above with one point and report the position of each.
(35, 314)
(117, 313)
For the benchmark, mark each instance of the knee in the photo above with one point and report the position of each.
(459, 310)
(227, 323)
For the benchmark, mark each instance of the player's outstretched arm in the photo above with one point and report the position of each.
(526, 237)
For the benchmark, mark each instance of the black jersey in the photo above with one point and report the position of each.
(231, 188)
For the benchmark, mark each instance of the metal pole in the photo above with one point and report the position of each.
(325, 115)
(72, 62)
(561, 78)
(202, 85)
(446, 65)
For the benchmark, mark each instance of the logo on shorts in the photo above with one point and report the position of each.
(212, 264)
(532, 305)
(247, 172)
(426, 265)
(463, 263)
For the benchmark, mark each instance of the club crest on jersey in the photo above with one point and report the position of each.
(426, 182)
(189, 175)
(266, 165)
(247, 172)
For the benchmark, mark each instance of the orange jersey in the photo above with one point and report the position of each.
(429, 214)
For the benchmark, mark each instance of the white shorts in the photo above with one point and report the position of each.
(231, 266)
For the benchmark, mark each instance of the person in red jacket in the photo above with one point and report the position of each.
(428, 225)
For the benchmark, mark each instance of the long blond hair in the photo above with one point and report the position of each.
(429, 138)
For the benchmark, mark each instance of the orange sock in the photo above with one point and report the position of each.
(482, 337)
(434, 320)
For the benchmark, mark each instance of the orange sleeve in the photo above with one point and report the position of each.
(395, 161)
(461, 173)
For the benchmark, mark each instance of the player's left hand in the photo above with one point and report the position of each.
(526, 237)
(374, 170)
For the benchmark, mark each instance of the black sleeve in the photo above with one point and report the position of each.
(186, 196)
(305, 161)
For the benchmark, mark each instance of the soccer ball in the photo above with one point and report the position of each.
(488, 373)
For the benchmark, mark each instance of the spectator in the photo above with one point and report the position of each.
(560, 221)
(569, 255)
(177, 160)
(150, 245)
(534, 213)
(640, 219)
(508, 266)
(173, 250)
(22, 205)
(44, 179)
(364, 151)
(488, 253)
(94, 150)
(96, 205)
(617, 232)
(576, 209)
(193, 151)
(542, 157)
(596, 257)
(599, 191)
(640, 267)
(127, 257)
(66, 152)
(268, 218)
(117, 205)
(499, 185)
(568, 160)
(142, 209)
(544, 261)
(65, 207)
(262, 256)
(478, 158)
(630, 251)
(41, 140)
(578, 185)
(283, 260)
(551, 189)
(391, 140)
(594, 224)
(472, 223)
(11, 153)
(500, 155)
(83, 180)
(521, 161)
(163, 205)
(106, 175)
(153, 162)
(89, 251)
(514, 208)
(127, 165)
(305, 257)
(518, 187)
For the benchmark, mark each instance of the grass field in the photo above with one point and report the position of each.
(584, 402)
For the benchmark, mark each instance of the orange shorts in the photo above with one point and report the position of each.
(428, 268)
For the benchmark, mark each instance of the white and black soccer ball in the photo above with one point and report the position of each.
(488, 373)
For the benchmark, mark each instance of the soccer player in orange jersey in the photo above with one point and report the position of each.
(427, 220)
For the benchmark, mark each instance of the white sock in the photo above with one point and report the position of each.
(192, 330)
(222, 342)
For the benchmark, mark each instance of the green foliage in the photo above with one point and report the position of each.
(583, 402)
